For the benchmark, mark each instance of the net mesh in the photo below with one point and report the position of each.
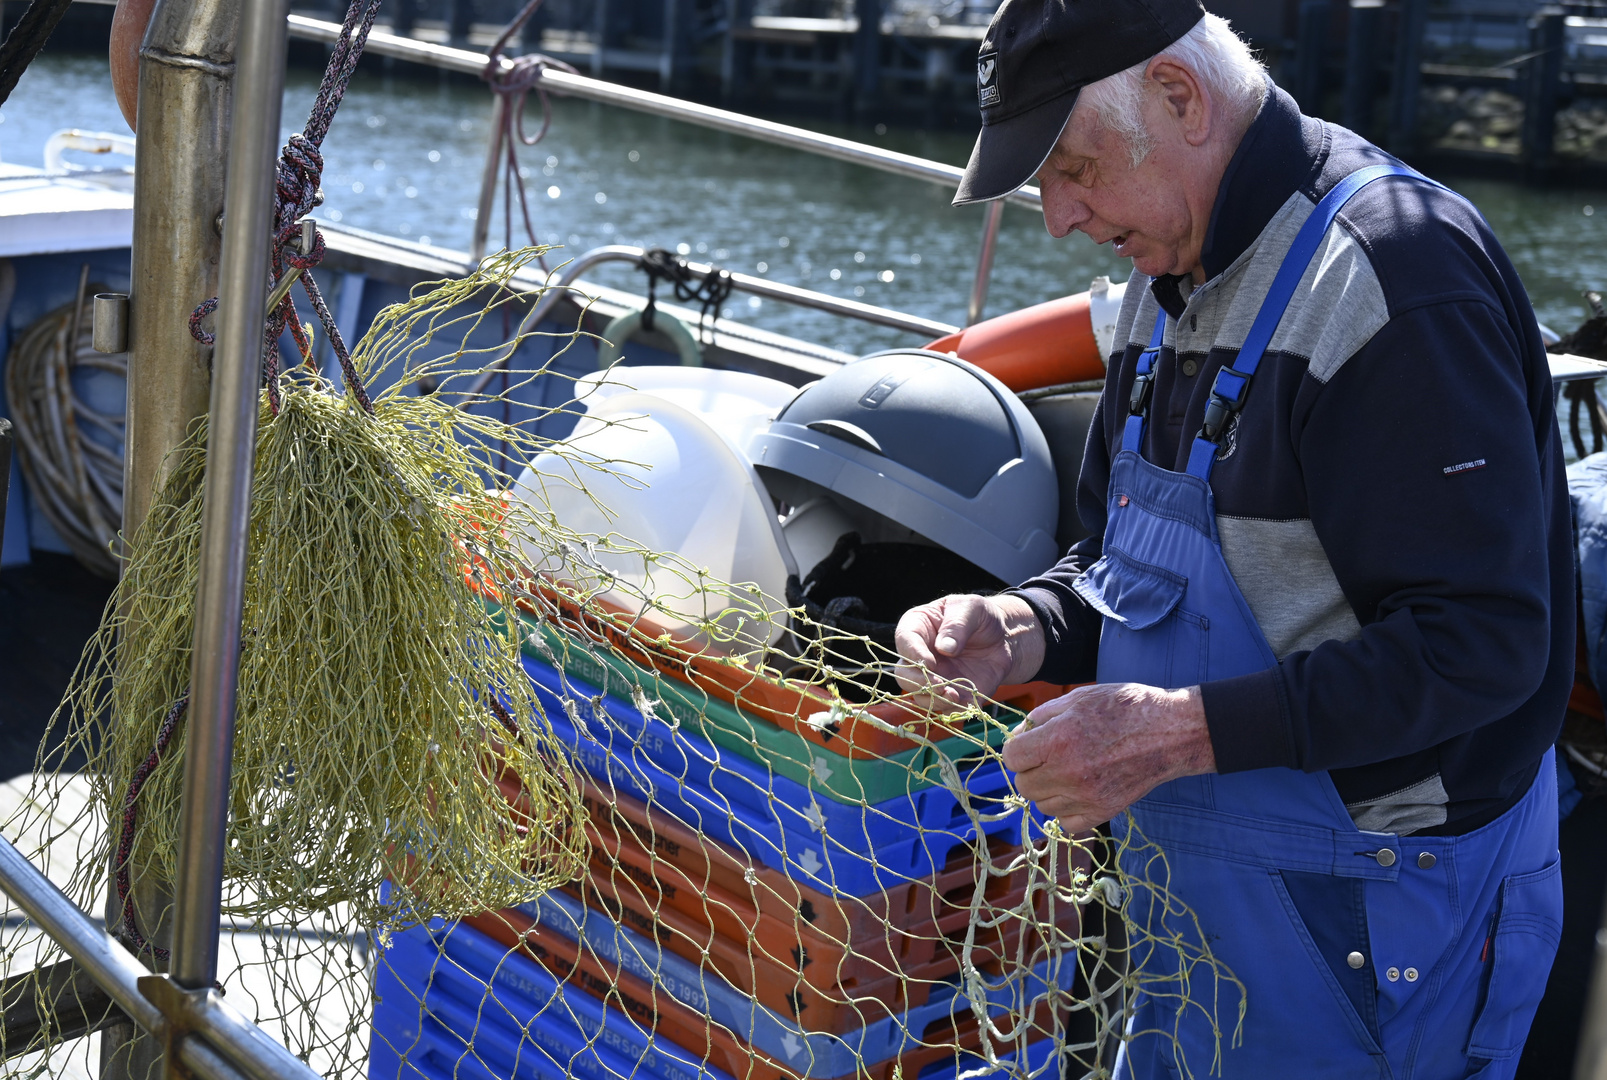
(516, 799)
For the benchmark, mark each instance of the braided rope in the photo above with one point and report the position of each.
(297, 194)
(125, 841)
(26, 39)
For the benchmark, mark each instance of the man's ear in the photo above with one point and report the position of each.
(1186, 101)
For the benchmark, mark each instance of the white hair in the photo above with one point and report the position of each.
(1221, 60)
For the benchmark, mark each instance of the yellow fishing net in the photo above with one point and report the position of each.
(515, 799)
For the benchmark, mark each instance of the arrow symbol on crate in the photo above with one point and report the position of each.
(816, 819)
(807, 910)
(811, 862)
(821, 769)
(791, 1044)
(796, 1001)
(800, 957)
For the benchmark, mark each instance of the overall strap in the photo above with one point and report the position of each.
(1228, 391)
(1143, 383)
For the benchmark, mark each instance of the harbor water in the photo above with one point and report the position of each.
(406, 152)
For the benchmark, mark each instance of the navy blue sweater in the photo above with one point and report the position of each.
(1392, 500)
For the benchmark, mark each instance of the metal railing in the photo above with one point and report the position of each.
(200, 1033)
(562, 283)
(579, 86)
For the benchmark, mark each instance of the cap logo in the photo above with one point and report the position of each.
(987, 91)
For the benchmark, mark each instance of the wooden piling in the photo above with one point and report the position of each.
(867, 55)
(1312, 35)
(1361, 61)
(1406, 84)
(1542, 91)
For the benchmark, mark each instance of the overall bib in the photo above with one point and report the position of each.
(1361, 954)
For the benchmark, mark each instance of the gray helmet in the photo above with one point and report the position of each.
(932, 442)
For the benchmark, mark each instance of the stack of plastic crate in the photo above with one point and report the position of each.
(768, 897)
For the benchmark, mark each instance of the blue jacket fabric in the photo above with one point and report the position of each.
(1391, 501)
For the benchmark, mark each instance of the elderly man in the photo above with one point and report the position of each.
(1328, 595)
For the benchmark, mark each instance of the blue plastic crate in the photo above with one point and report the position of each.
(814, 1053)
(857, 850)
(564, 1033)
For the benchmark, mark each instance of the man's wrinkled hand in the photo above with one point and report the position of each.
(959, 647)
(1086, 757)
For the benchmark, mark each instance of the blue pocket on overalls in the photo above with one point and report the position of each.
(1137, 595)
(1147, 637)
(1522, 945)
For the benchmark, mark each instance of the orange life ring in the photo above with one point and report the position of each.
(1043, 345)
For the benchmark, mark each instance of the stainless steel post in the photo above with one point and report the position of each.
(186, 78)
(984, 262)
(494, 157)
(231, 446)
(186, 75)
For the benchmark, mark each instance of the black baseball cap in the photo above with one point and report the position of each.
(1035, 58)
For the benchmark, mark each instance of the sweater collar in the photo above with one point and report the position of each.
(1281, 153)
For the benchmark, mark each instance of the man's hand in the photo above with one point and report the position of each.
(961, 646)
(1086, 757)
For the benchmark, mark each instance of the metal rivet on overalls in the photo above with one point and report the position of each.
(1392, 974)
(1355, 959)
(1411, 974)
(1386, 857)
(1426, 861)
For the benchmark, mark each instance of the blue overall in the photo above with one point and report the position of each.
(1361, 954)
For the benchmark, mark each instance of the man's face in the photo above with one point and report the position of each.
(1089, 185)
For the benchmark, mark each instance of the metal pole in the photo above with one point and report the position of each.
(238, 1050)
(231, 446)
(186, 76)
(488, 179)
(984, 262)
(186, 80)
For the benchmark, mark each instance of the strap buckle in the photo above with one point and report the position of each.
(1227, 398)
(1218, 411)
(1142, 386)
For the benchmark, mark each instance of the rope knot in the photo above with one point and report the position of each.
(301, 169)
(305, 260)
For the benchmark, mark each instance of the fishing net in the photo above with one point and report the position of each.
(513, 799)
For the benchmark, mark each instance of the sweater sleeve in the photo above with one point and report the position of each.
(1421, 460)
(1070, 627)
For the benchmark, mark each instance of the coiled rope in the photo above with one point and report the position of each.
(708, 292)
(76, 480)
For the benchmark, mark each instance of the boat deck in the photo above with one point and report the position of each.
(261, 969)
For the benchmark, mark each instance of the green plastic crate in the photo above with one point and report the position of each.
(839, 777)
